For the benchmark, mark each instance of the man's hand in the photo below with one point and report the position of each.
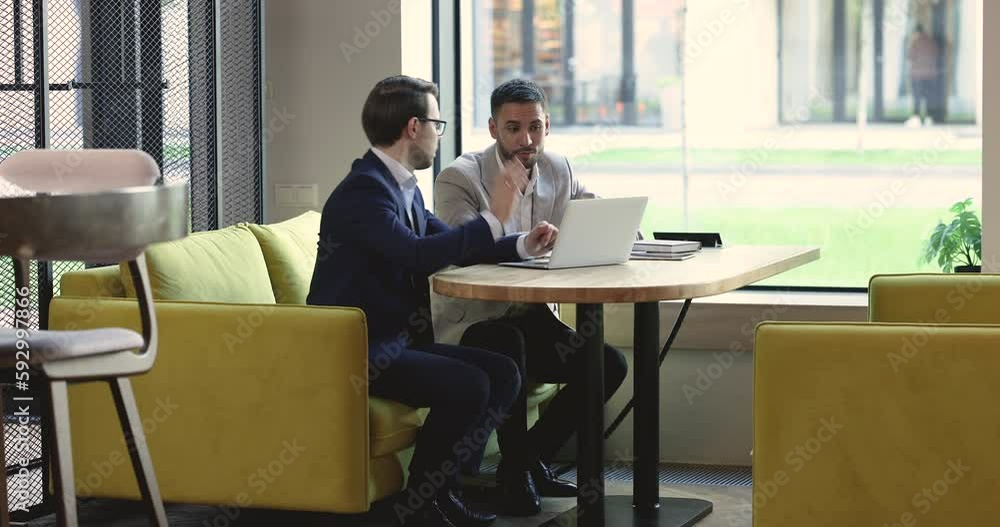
(541, 239)
(507, 189)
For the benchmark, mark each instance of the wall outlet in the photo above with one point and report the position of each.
(296, 196)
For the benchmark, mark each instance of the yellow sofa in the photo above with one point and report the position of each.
(894, 422)
(255, 399)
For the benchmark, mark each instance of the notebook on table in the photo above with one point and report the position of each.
(664, 249)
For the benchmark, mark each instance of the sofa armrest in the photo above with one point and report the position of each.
(962, 298)
(853, 421)
(259, 405)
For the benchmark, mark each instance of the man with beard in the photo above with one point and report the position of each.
(377, 247)
(529, 333)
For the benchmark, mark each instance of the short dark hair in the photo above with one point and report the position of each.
(391, 104)
(920, 28)
(516, 90)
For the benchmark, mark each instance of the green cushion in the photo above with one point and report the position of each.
(214, 266)
(289, 251)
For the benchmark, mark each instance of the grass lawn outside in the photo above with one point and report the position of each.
(171, 152)
(853, 246)
(672, 156)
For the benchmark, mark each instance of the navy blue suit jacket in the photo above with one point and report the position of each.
(369, 257)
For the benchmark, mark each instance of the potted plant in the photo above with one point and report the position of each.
(957, 245)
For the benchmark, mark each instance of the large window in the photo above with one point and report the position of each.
(743, 116)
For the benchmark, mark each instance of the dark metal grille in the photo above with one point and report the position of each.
(21, 128)
(202, 104)
(17, 127)
(239, 133)
(128, 74)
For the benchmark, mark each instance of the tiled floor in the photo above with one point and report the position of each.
(731, 509)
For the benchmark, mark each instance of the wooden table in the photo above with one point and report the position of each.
(644, 283)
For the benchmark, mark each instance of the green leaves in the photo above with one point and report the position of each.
(958, 242)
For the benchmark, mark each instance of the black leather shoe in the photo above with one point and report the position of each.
(430, 515)
(519, 495)
(548, 484)
(461, 514)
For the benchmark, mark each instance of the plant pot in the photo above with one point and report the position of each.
(969, 269)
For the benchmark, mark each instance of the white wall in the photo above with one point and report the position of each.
(979, 60)
(323, 58)
(991, 141)
(417, 53)
(712, 426)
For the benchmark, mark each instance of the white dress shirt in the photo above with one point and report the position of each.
(407, 182)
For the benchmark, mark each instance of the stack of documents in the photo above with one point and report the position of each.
(664, 250)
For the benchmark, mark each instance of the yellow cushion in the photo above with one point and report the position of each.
(97, 282)
(388, 475)
(289, 250)
(393, 425)
(214, 266)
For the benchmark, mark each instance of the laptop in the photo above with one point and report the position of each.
(593, 232)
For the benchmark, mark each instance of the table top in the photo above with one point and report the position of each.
(712, 271)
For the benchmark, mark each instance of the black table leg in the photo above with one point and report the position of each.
(646, 420)
(590, 437)
(590, 509)
(645, 508)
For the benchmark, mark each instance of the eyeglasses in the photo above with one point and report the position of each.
(439, 125)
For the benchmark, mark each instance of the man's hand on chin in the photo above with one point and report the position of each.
(508, 189)
(541, 239)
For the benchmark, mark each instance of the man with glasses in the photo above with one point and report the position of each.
(378, 245)
(541, 345)
(439, 125)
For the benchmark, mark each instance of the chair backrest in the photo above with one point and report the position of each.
(873, 424)
(942, 298)
(92, 205)
(79, 171)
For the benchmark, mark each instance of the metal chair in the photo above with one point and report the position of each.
(91, 206)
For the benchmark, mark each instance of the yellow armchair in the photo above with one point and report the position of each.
(893, 422)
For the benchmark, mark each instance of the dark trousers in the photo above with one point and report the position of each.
(469, 392)
(923, 91)
(546, 351)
